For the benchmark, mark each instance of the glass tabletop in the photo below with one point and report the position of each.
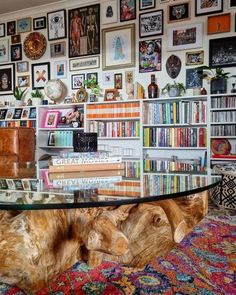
(93, 189)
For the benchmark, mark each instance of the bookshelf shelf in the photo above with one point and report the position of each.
(174, 148)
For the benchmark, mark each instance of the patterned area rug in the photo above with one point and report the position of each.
(203, 263)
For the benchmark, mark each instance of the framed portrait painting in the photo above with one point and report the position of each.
(40, 75)
(127, 10)
(109, 12)
(2, 30)
(16, 52)
(84, 31)
(146, 4)
(56, 24)
(4, 50)
(11, 28)
(150, 55)
(151, 23)
(60, 69)
(178, 12)
(7, 78)
(51, 119)
(118, 47)
(39, 23)
(24, 25)
(203, 7)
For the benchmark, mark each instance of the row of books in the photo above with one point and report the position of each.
(18, 113)
(60, 138)
(223, 116)
(26, 123)
(122, 189)
(223, 130)
(174, 137)
(223, 102)
(176, 112)
(132, 169)
(111, 110)
(115, 129)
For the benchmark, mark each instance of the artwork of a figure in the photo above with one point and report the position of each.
(92, 29)
(119, 50)
(56, 23)
(4, 81)
(150, 55)
(76, 31)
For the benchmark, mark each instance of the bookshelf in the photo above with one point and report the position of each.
(24, 116)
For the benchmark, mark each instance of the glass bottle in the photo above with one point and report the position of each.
(153, 88)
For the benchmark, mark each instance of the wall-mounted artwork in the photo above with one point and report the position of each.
(7, 79)
(40, 75)
(2, 30)
(173, 66)
(56, 24)
(60, 69)
(11, 28)
(151, 23)
(4, 50)
(193, 78)
(16, 52)
(194, 58)
(39, 23)
(24, 25)
(178, 12)
(146, 4)
(127, 10)
(218, 23)
(109, 12)
(203, 7)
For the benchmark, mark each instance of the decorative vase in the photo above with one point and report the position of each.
(218, 86)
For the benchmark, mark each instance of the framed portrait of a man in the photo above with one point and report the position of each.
(150, 55)
(7, 78)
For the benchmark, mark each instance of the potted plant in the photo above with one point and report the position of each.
(95, 88)
(36, 95)
(19, 94)
(174, 89)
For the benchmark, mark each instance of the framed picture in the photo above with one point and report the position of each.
(77, 81)
(16, 52)
(193, 78)
(110, 94)
(26, 184)
(51, 119)
(9, 114)
(108, 79)
(18, 184)
(81, 95)
(118, 47)
(218, 23)
(92, 76)
(39, 23)
(151, 23)
(184, 37)
(147, 4)
(127, 10)
(33, 184)
(15, 39)
(203, 7)
(60, 69)
(58, 49)
(4, 48)
(11, 28)
(3, 113)
(32, 113)
(109, 13)
(150, 56)
(194, 58)
(40, 75)
(232, 3)
(118, 81)
(17, 113)
(23, 25)
(23, 81)
(56, 24)
(178, 12)
(7, 79)
(10, 184)
(84, 30)
(222, 52)
(22, 66)
(84, 63)
(2, 30)
(25, 113)
(51, 138)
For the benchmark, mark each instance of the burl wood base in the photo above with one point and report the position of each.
(36, 246)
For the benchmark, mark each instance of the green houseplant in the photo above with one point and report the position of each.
(95, 88)
(37, 93)
(174, 89)
(19, 94)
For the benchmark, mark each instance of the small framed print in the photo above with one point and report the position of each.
(194, 58)
(109, 12)
(16, 52)
(3, 113)
(2, 30)
(39, 23)
(110, 94)
(150, 55)
(11, 28)
(108, 79)
(60, 69)
(58, 49)
(25, 113)
(33, 184)
(3, 184)
(92, 76)
(10, 184)
(26, 184)
(51, 119)
(77, 81)
(10, 113)
(232, 3)
(17, 113)
(127, 10)
(147, 4)
(40, 75)
(203, 7)
(218, 23)
(178, 12)
(15, 39)
(7, 79)
(118, 81)
(84, 63)
(81, 95)
(151, 23)
(193, 78)
(22, 66)
(32, 113)
(4, 50)
(51, 138)
(23, 81)
(18, 184)
(56, 24)
(24, 25)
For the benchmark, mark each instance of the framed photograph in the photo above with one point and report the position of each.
(16, 52)
(58, 49)
(118, 81)
(84, 63)
(84, 31)
(108, 79)
(25, 113)
(22, 66)
(17, 113)
(7, 79)
(3, 113)
(15, 39)
(184, 37)
(151, 23)
(4, 50)
(109, 13)
(40, 75)
(77, 81)
(39, 23)
(32, 113)
(92, 76)
(51, 138)
(11, 28)
(203, 7)
(147, 4)
(56, 24)
(110, 94)
(51, 119)
(18, 184)
(222, 52)
(10, 184)
(81, 95)
(218, 23)
(178, 12)
(127, 10)
(118, 47)
(23, 81)
(60, 69)
(194, 58)
(193, 78)
(33, 184)
(26, 184)
(23, 25)
(9, 114)
(150, 56)
(232, 3)
(2, 30)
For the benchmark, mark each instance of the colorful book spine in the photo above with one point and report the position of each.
(83, 160)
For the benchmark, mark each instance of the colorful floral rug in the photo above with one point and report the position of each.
(204, 263)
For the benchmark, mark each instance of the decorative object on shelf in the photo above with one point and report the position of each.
(173, 66)
(81, 95)
(94, 86)
(233, 90)
(51, 119)
(175, 89)
(153, 90)
(85, 141)
(19, 94)
(75, 118)
(220, 146)
(203, 91)
(35, 45)
(55, 89)
(110, 94)
(36, 96)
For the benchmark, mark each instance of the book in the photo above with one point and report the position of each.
(55, 161)
(86, 167)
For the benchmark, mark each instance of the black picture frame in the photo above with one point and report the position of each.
(11, 28)
(82, 45)
(144, 5)
(56, 25)
(51, 138)
(32, 113)
(127, 10)
(7, 78)
(222, 52)
(91, 76)
(2, 30)
(16, 52)
(151, 23)
(39, 23)
(193, 78)
(42, 68)
(3, 113)
(17, 113)
(178, 12)
(77, 81)
(208, 10)
(232, 4)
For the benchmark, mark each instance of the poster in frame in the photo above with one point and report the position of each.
(193, 78)
(23, 81)
(222, 52)
(58, 49)
(211, 7)
(178, 12)
(232, 4)
(127, 10)
(51, 119)
(118, 47)
(77, 81)
(22, 66)
(194, 58)
(84, 31)
(7, 78)
(218, 24)
(32, 114)
(17, 113)
(56, 24)
(16, 52)
(92, 76)
(24, 25)
(39, 23)
(60, 69)
(84, 63)
(151, 23)
(2, 30)
(147, 4)
(40, 75)
(109, 12)
(11, 28)
(4, 50)
(15, 39)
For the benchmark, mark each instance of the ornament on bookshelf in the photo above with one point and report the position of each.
(203, 91)
(220, 146)
(55, 90)
(173, 66)
(173, 90)
(233, 90)
(130, 90)
(153, 91)
(81, 95)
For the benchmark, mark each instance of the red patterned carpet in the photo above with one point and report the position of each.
(203, 263)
